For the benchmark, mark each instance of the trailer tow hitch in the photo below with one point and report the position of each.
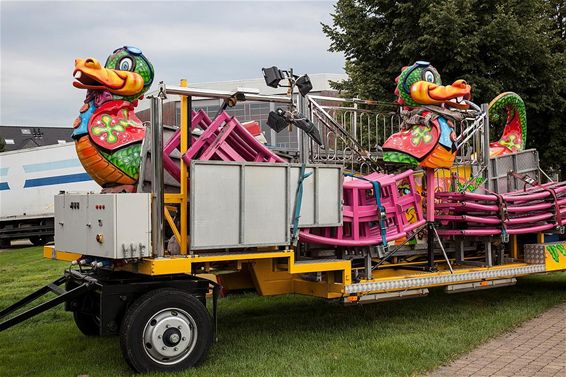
(55, 287)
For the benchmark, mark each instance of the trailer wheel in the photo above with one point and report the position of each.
(86, 323)
(165, 330)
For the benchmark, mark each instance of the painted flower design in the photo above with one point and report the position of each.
(421, 135)
(512, 142)
(109, 128)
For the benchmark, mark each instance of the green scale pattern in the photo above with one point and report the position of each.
(399, 158)
(127, 159)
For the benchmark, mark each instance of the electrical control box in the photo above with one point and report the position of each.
(115, 226)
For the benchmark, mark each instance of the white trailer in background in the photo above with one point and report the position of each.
(29, 180)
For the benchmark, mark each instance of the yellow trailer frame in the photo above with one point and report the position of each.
(276, 272)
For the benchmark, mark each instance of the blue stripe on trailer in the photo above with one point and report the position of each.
(47, 181)
(51, 165)
(4, 186)
(3, 172)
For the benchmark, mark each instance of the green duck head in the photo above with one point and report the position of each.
(127, 74)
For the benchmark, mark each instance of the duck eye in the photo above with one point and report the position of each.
(126, 64)
(428, 76)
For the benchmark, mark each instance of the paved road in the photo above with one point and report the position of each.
(537, 348)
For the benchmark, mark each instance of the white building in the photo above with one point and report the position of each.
(246, 111)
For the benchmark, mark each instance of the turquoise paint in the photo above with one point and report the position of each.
(52, 165)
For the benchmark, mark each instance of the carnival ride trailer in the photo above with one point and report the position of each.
(141, 262)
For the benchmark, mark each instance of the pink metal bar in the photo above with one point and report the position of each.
(469, 232)
(468, 205)
(430, 194)
(529, 219)
(471, 219)
(531, 229)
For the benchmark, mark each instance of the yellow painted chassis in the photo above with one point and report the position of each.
(276, 272)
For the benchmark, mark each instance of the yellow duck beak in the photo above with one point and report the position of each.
(90, 74)
(428, 93)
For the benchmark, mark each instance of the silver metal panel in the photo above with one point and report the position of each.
(322, 196)
(133, 226)
(308, 204)
(475, 286)
(265, 201)
(329, 209)
(523, 163)
(215, 205)
(536, 253)
(388, 296)
(170, 183)
(246, 204)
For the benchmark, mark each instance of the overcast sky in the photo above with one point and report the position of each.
(197, 40)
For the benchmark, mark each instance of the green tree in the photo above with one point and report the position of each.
(503, 45)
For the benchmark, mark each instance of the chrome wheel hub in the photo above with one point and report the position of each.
(170, 336)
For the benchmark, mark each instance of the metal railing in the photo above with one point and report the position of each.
(354, 130)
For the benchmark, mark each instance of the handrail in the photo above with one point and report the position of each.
(468, 132)
(337, 126)
(222, 94)
(351, 100)
(332, 126)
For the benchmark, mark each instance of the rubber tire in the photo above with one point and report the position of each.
(86, 323)
(137, 315)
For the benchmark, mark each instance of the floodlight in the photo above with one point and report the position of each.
(304, 84)
(272, 76)
(277, 120)
(310, 129)
(280, 119)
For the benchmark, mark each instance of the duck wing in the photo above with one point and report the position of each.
(114, 125)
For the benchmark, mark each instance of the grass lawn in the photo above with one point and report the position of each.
(281, 336)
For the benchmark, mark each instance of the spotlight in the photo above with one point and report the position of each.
(273, 75)
(306, 125)
(277, 121)
(304, 84)
(280, 119)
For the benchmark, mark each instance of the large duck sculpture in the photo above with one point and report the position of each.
(108, 135)
(430, 112)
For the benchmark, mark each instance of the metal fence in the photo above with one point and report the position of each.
(524, 164)
(354, 130)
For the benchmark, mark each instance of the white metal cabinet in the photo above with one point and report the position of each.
(113, 226)
(70, 221)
